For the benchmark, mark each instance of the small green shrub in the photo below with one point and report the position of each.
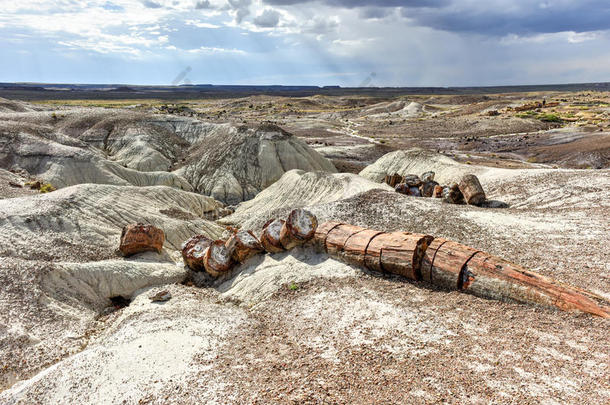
(550, 118)
(47, 188)
(293, 287)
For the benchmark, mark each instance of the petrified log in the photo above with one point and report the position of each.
(243, 245)
(193, 252)
(488, 276)
(427, 188)
(137, 238)
(270, 237)
(217, 259)
(396, 252)
(452, 266)
(393, 180)
(300, 226)
(472, 190)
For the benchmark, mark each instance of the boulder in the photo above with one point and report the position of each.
(138, 238)
(193, 252)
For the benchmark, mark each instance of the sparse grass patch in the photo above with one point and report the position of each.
(550, 118)
(532, 159)
(47, 188)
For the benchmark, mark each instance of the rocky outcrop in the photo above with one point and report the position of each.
(235, 165)
(298, 189)
(139, 238)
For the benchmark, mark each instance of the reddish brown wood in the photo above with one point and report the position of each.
(354, 249)
(427, 188)
(491, 277)
(193, 252)
(336, 237)
(472, 190)
(398, 253)
(443, 262)
(217, 259)
(452, 266)
(138, 238)
(393, 180)
(321, 234)
(243, 245)
(270, 238)
(438, 192)
(300, 226)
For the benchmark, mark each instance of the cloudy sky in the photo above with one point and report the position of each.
(307, 42)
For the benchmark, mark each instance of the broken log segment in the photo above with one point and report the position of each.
(393, 180)
(491, 277)
(193, 252)
(270, 237)
(300, 226)
(472, 190)
(138, 238)
(217, 259)
(443, 263)
(243, 245)
(397, 252)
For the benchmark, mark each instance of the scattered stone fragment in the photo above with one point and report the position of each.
(472, 190)
(402, 188)
(452, 194)
(427, 188)
(161, 296)
(138, 238)
(427, 177)
(16, 185)
(193, 252)
(438, 192)
(412, 180)
(393, 180)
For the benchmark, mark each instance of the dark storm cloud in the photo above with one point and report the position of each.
(523, 17)
(491, 17)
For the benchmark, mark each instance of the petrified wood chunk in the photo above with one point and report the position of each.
(193, 252)
(270, 237)
(319, 239)
(217, 259)
(427, 177)
(472, 190)
(412, 180)
(393, 180)
(300, 227)
(397, 252)
(243, 245)
(137, 238)
(427, 188)
(453, 195)
(438, 192)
